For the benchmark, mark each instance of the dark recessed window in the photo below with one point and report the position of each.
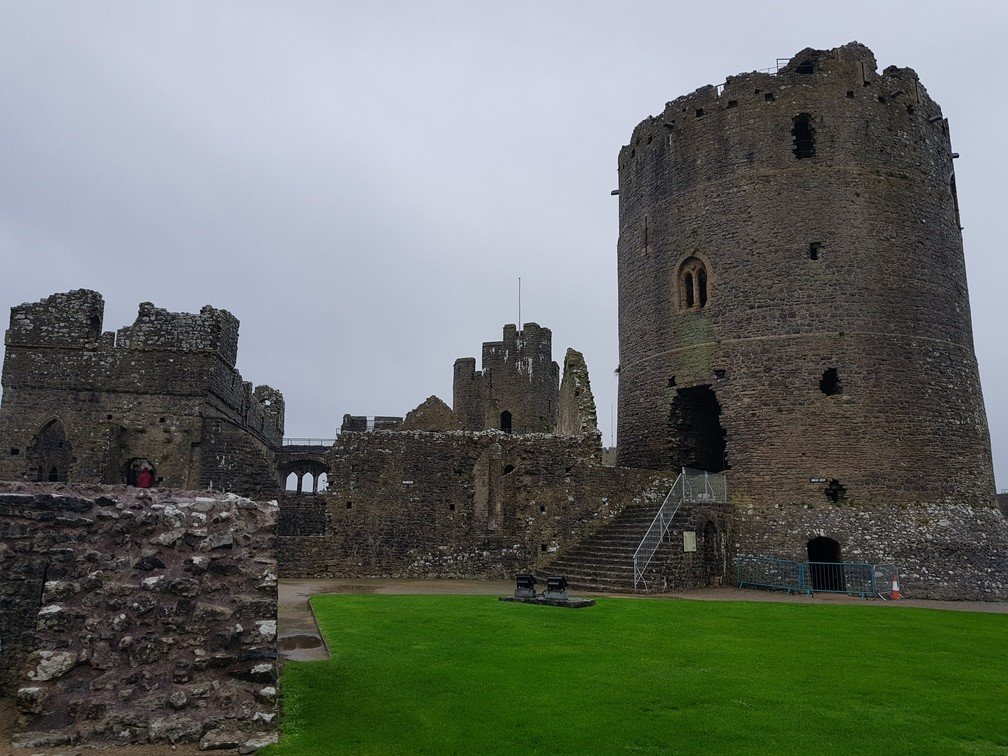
(15, 452)
(699, 112)
(813, 250)
(769, 97)
(349, 505)
(671, 382)
(804, 137)
(719, 374)
(542, 507)
(451, 507)
(835, 491)
(805, 67)
(830, 382)
(850, 93)
(732, 103)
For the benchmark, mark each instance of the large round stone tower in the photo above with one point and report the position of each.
(792, 293)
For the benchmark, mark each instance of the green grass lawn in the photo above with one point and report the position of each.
(469, 674)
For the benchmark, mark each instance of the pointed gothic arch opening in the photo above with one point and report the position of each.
(50, 453)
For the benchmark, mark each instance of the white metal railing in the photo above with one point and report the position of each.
(309, 441)
(692, 486)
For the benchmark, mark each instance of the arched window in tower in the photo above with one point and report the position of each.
(804, 136)
(692, 284)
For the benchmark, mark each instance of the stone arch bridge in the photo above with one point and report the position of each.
(305, 458)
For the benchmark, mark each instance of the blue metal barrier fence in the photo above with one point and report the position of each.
(854, 578)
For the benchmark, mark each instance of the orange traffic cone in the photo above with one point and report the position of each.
(895, 595)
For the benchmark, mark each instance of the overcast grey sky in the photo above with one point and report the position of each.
(361, 184)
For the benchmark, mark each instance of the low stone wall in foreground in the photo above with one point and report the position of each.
(130, 616)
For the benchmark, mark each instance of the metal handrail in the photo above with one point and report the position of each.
(689, 488)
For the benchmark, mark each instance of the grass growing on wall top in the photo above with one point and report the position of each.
(469, 674)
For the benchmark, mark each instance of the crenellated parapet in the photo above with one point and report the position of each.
(88, 405)
(517, 388)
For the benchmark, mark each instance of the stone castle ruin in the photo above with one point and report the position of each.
(793, 324)
(85, 405)
(518, 388)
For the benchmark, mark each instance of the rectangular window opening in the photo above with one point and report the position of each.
(813, 250)
(804, 136)
(15, 452)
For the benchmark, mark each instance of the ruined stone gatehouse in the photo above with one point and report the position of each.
(88, 405)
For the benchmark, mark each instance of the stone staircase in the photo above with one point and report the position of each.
(604, 560)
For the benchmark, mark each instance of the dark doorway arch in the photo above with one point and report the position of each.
(50, 453)
(505, 421)
(696, 437)
(134, 467)
(825, 570)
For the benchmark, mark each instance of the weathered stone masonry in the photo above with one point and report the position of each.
(516, 390)
(417, 504)
(793, 308)
(130, 617)
(81, 404)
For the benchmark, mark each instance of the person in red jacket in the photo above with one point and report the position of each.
(145, 479)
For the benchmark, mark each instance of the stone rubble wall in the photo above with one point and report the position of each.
(431, 415)
(712, 560)
(943, 551)
(138, 617)
(461, 505)
(576, 413)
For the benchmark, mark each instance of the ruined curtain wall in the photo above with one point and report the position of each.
(466, 505)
